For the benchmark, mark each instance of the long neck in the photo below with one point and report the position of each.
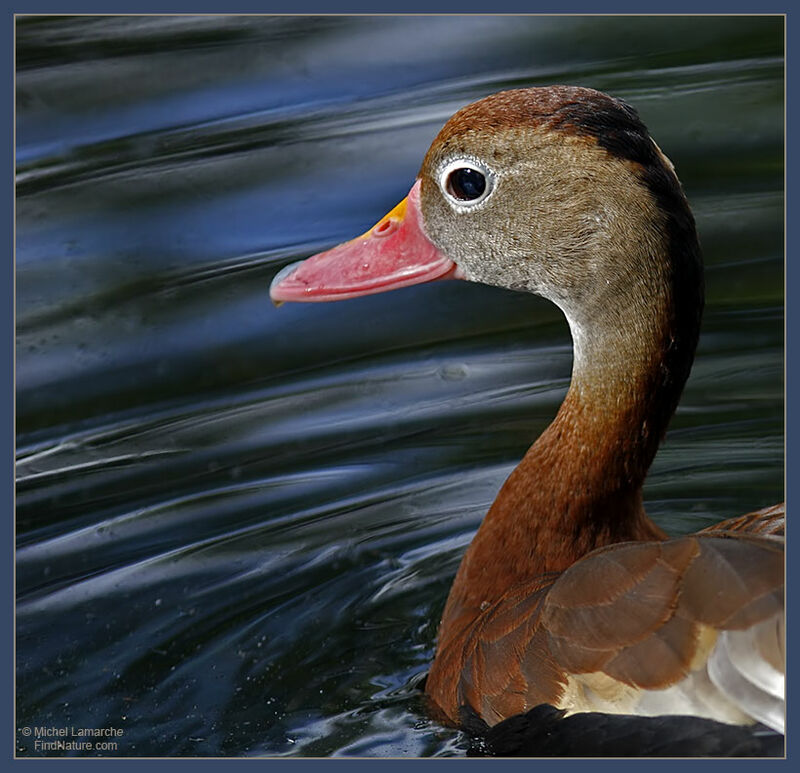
(580, 485)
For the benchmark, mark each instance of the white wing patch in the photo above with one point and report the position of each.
(748, 668)
(740, 682)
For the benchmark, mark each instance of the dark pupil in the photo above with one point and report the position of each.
(466, 184)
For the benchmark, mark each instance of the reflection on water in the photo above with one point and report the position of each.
(237, 525)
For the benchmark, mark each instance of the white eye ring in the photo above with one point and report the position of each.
(466, 183)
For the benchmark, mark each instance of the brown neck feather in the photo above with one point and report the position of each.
(580, 485)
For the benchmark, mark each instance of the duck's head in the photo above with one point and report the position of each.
(559, 191)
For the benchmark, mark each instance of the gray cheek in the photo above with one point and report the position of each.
(487, 246)
(500, 272)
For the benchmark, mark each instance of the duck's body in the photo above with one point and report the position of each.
(569, 595)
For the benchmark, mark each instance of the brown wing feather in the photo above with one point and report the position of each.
(767, 521)
(638, 612)
(482, 665)
(651, 632)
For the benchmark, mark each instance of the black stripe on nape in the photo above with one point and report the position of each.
(617, 128)
(613, 123)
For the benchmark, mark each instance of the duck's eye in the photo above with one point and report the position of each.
(466, 184)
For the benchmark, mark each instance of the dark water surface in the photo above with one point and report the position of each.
(237, 525)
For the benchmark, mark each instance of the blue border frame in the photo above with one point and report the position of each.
(7, 731)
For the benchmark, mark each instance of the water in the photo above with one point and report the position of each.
(237, 525)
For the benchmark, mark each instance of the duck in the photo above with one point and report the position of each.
(569, 596)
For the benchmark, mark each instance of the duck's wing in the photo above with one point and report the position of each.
(483, 664)
(686, 626)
